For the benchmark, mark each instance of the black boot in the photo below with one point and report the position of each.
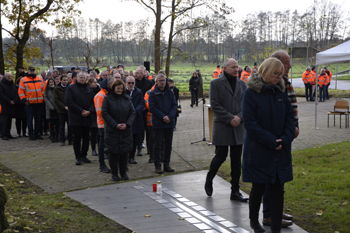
(208, 187)
(255, 225)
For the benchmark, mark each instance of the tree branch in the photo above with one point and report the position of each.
(154, 12)
(14, 36)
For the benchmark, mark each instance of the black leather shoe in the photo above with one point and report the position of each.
(151, 160)
(39, 138)
(132, 161)
(32, 138)
(85, 160)
(285, 223)
(94, 153)
(159, 170)
(116, 178)
(78, 162)
(168, 169)
(208, 187)
(105, 170)
(287, 216)
(5, 138)
(255, 225)
(139, 152)
(124, 177)
(11, 137)
(237, 196)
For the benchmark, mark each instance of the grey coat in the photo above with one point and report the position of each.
(225, 105)
(50, 103)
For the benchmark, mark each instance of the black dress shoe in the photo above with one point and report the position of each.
(237, 196)
(116, 178)
(39, 138)
(32, 138)
(11, 137)
(85, 160)
(151, 160)
(139, 152)
(105, 170)
(287, 216)
(132, 161)
(124, 177)
(255, 225)
(94, 153)
(208, 187)
(159, 170)
(167, 168)
(285, 223)
(78, 162)
(5, 138)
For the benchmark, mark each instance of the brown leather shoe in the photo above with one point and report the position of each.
(287, 216)
(285, 223)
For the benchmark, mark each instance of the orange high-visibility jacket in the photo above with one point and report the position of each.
(313, 80)
(329, 76)
(150, 77)
(307, 77)
(222, 70)
(98, 100)
(245, 75)
(149, 114)
(32, 89)
(216, 73)
(323, 80)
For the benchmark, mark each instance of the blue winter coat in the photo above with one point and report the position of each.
(268, 116)
(161, 104)
(139, 105)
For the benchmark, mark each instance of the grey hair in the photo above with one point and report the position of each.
(160, 75)
(278, 53)
(130, 77)
(110, 80)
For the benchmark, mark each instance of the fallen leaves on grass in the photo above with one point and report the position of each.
(21, 182)
(345, 203)
(319, 213)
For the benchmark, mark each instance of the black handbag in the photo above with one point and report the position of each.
(179, 110)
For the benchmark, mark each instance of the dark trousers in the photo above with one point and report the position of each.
(118, 162)
(194, 97)
(322, 93)
(6, 122)
(54, 129)
(63, 117)
(327, 94)
(221, 153)
(159, 135)
(80, 132)
(135, 143)
(33, 112)
(93, 137)
(21, 125)
(101, 147)
(45, 124)
(276, 200)
(146, 127)
(150, 146)
(308, 91)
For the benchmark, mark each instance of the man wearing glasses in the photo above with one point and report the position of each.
(139, 104)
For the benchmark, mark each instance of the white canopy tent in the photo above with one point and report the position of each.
(338, 54)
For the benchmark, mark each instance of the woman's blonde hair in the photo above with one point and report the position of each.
(269, 67)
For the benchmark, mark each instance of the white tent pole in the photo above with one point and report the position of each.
(316, 100)
(336, 77)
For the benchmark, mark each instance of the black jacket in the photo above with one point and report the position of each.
(59, 98)
(79, 97)
(93, 114)
(139, 104)
(118, 109)
(145, 84)
(195, 82)
(8, 93)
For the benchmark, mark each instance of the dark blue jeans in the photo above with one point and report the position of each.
(159, 135)
(308, 91)
(33, 111)
(101, 148)
(322, 93)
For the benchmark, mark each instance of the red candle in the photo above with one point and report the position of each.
(154, 187)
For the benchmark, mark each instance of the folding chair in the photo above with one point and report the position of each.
(340, 105)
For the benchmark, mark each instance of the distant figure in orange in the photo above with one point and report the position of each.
(216, 72)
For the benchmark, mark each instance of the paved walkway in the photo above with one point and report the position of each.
(52, 167)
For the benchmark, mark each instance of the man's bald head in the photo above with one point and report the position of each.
(283, 56)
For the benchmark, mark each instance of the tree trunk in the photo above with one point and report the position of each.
(170, 40)
(157, 37)
(19, 55)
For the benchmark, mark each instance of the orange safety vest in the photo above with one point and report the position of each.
(329, 76)
(216, 73)
(98, 100)
(150, 77)
(149, 114)
(98, 77)
(323, 80)
(245, 75)
(313, 80)
(307, 77)
(222, 71)
(32, 89)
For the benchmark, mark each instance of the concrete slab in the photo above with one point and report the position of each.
(182, 207)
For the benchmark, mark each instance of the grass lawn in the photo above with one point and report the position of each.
(31, 209)
(319, 195)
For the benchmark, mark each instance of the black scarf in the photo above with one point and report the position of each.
(231, 80)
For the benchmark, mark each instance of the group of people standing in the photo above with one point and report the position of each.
(324, 80)
(262, 115)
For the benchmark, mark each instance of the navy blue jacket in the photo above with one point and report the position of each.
(139, 105)
(268, 116)
(161, 104)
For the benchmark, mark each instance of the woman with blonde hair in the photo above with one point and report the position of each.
(269, 122)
